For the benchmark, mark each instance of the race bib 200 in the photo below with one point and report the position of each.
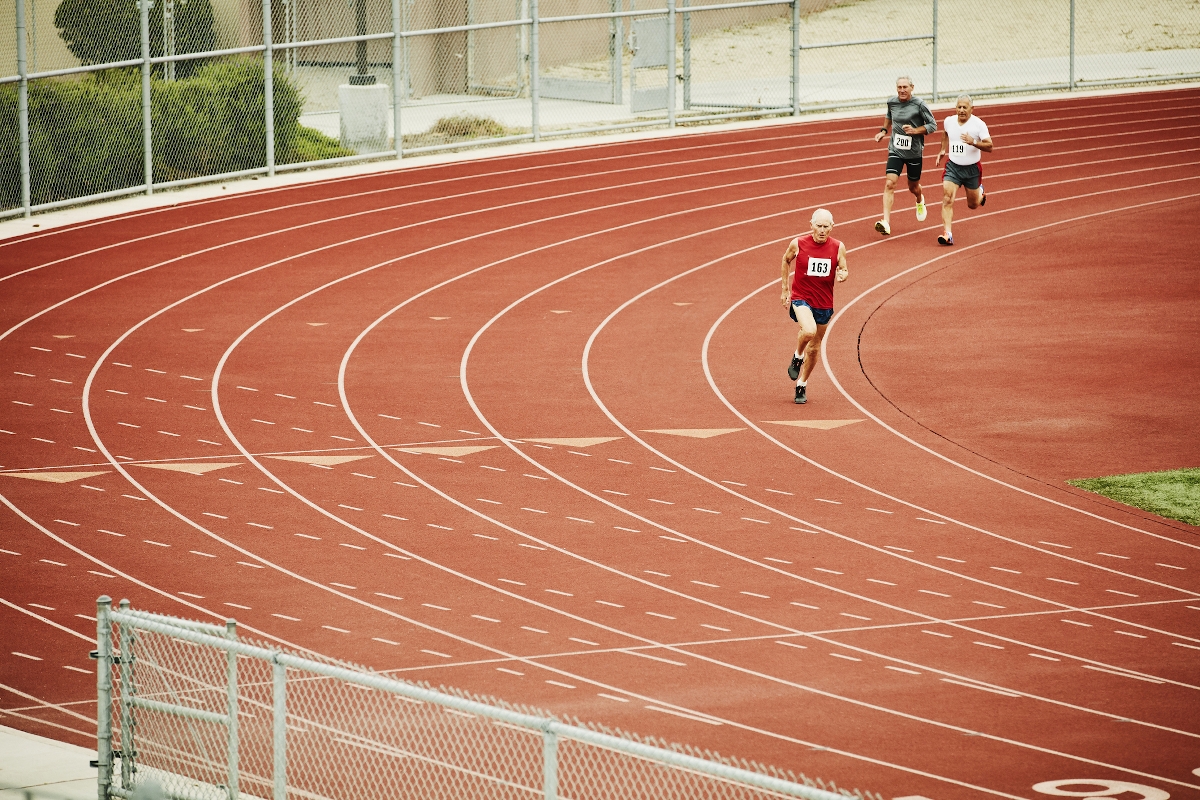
(902, 142)
(819, 267)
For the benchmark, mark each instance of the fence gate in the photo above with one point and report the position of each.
(651, 52)
(592, 90)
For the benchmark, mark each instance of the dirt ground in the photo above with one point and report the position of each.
(1004, 31)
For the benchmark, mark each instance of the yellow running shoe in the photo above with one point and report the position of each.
(921, 210)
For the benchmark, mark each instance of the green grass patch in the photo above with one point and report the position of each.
(1174, 493)
(312, 145)
(463, 127)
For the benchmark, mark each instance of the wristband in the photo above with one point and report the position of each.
(883, 130)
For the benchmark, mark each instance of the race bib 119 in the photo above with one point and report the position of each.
(902, 142)
(819, 267)
(958, 148)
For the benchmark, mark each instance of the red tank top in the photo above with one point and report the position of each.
(815, 267)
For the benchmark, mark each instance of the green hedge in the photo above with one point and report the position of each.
(86, 134)
(104, 31)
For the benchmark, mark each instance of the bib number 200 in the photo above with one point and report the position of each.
(902, 142)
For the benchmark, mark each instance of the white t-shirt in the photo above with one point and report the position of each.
(960, 152)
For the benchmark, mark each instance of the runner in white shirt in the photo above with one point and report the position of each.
(965, 139)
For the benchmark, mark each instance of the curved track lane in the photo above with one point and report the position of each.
(516, 425)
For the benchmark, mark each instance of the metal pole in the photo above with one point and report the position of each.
(616, 54)
(231, 673)
(470, 46)
(397, 76)
(169, 38)
(795, 58)
(125, 637)
(279, 675)
(670, 63)
(104, 757)
(147, 133)
(687, 56)
(1071, 82)
(23, 106)
(533, 69)
(269, 85)
(935, 49)
(549, 765)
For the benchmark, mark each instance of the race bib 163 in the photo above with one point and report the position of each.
(819, 267)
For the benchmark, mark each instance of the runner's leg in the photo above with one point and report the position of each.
(808, 331)
(813, 355)
(974, 196)
(948, 191)
(889, 196)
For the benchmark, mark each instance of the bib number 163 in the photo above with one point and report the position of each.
(819, 267)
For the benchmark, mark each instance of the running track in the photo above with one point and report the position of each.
(905, 598)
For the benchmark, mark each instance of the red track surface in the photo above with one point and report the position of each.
(913, 603)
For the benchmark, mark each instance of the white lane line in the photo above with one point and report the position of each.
(1168, 566)
(351, 546)
(902, 669)
(485, 536)
(930, 591)
(692, 717)
(510, 671)
(485, 619)
(854, 616)
(880, 510)
(534, 510)
(1005, 569)
(935, 522)
(846, 657)
(989, 605)
(436, 653)
(1052, 544)
(653, 658)
(493, 502)
(877, 580)
(25, 655)
(956, 560)
(1125, 594)
(78, 669)
(560, 592)
(156, 544)
(514, 583)
(272, 491)
(1111, 555)
(260, 525)
(715, 628)
(627, 530)
(1060, 580)
(980, 688)
(385, 641)
(659, 574)
(776, 560)
(559, 683)
(614, 491)
(706, 510)
(393, 516)
(388, 596)
(989, 644)
(52, 563)
(253, 566)
(533, 630)
(823, 500)
(791, 644)
(805, 605)
(1077, 622)
(607, 603)
(530, 546)
(938, 633)
(351, 508)
(577, 519)
(1120, 674)
(759, 521)
(236, 605)
(830, 571)
(612, 696)
(756, 594)
(650, 613)
(1189, 646)
(778, 491)
(309, 536)
(535, 477)
(661, 502)
(1128, 633)
(342, 585)
(894, 547)
(1044, 657)
(431, 605)
(198, 553)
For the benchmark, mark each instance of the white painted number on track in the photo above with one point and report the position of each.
(1080, 787)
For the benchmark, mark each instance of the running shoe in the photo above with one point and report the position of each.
(982, 196)
(945, 238)
(921, 213)
(801, 398)
(794, 367)
(883, 228)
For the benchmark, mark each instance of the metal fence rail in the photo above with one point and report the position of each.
(291, 84)
(193, 711)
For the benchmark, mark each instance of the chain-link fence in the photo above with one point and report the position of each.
(193, 711)
(108, 97)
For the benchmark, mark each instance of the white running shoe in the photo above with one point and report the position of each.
(883, 228)
(921, 213)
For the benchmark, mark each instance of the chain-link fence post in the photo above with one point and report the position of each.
(549, 765)
(670, 63)
(687, 56)
(1071, 57)
(125, 642)
(533, 69)
(23, 106)
(269, 85)
(231, 688)
(397, 72)
(147, 132)
(935, 50)
(795, 58)
(103, 688)
(279, 729)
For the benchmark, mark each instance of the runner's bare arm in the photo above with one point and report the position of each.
(843, 271)
(945, 148)
(885, 131)
(789, 256)
(983, 144)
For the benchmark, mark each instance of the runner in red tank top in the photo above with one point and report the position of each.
(808, 296)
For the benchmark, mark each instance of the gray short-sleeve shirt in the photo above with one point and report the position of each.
(913, 112)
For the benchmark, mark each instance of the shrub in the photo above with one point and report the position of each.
(104, 31)
(86, 134)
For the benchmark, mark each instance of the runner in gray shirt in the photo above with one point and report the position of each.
(907, 123)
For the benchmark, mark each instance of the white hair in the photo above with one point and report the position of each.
(962, 97)
(906, 79)
(819, 212)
